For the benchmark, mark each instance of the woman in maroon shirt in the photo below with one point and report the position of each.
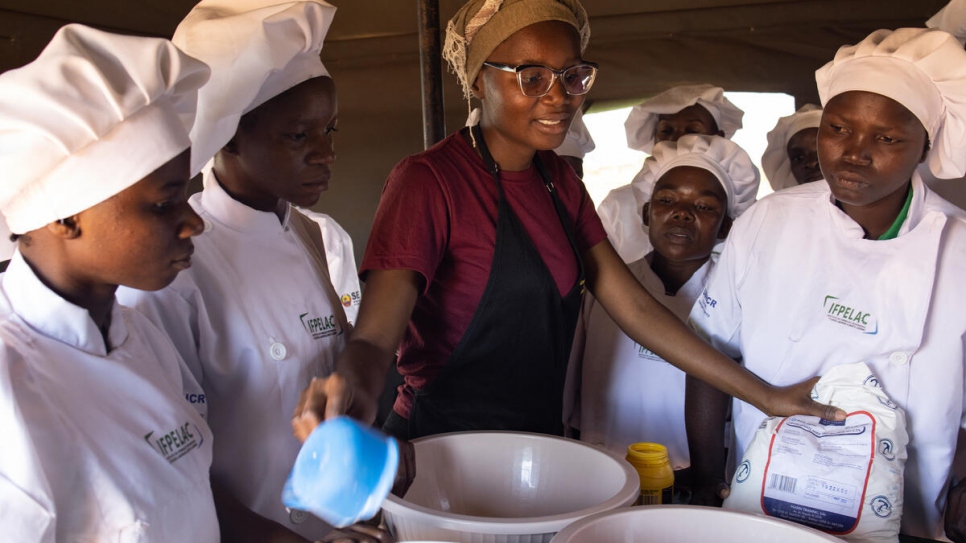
(482, 245)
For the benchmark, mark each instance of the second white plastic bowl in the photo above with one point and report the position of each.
(686, 524)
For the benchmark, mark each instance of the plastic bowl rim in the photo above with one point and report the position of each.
(573, 529)
(395, 506)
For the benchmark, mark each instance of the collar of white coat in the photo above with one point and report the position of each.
(237, 216)
(852, 228)
(680, 303)
(52, 316)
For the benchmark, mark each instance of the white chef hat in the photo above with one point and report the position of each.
(642, 120)
(91, 116)
(924, 70)
(775, 162)
(257, 49)
(952, 19)
(578, 141)
(722, 157)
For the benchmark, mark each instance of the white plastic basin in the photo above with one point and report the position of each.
(685, 524)
(513, 487)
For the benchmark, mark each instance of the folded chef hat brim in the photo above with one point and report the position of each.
(79, 181)
(643, 119)
(922, 69)
(775, 161)
(94, 114)
(727, 161)
(257, 50)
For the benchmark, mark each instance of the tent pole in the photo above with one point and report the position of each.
(434, 125)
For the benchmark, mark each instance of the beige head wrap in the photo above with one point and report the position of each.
(482, 25)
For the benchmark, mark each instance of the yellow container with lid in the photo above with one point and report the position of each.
(653, 467)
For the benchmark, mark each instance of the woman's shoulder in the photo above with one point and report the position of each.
(787, 204)
(954, 231)
(14, 346)
(934, 202)
(452, 148)
(779, 216)
(799, 195)
(441, 170)
(17, 338)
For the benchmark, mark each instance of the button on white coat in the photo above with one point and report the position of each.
(277, 351)
(297, 516)
(898, 358)
(207, 226)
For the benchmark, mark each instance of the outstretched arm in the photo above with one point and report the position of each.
(360, 370)
(705, 412)
(649, 323)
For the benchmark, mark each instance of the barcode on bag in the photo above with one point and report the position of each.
(782, 483)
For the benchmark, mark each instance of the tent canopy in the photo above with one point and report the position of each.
(642, 46)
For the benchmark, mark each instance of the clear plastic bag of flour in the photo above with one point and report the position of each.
(844, 478)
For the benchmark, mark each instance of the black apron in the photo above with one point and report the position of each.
(508, 370)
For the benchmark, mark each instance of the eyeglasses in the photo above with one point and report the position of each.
(536, 81)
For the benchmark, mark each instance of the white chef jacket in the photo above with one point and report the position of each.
(797, 290)
(342, 262)
(97, 446)
(621, 216)
(254, 323)
(619, 392)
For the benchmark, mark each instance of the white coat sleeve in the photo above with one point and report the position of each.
(716, 315)
(22, 518)
(341, 259)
